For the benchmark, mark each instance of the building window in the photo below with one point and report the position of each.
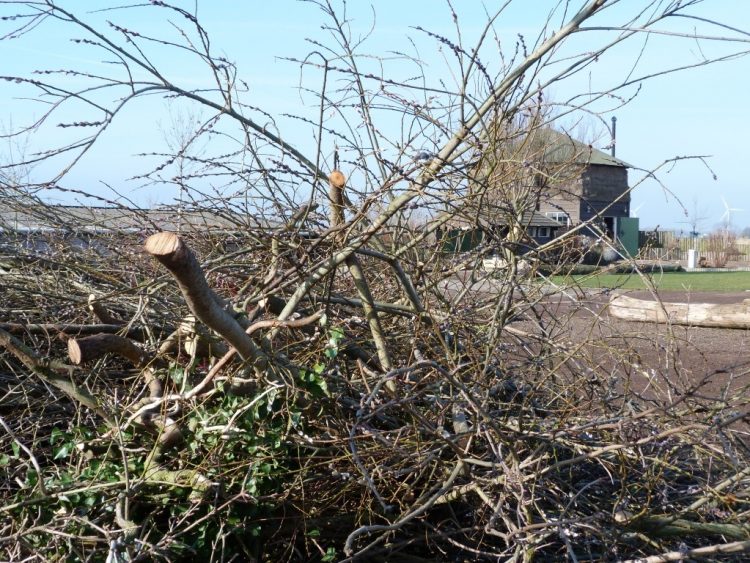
(539, 232)
(560, 217)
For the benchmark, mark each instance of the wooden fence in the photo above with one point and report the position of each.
(716, 249)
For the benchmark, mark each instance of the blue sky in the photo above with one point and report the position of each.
(699, 112)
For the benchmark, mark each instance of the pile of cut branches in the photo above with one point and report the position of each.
(289, 365)
(167, 408)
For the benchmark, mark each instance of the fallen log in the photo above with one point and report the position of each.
(732, 315)
(657, 526)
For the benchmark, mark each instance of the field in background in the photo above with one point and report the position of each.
(668, 281)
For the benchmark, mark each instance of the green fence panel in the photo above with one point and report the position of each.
(627, 233)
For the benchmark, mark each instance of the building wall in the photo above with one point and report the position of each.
(605, 208)
(592, 193)
(562, 203)
(604, 183)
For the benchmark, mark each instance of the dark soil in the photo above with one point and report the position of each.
(657, 359)
(714, 359)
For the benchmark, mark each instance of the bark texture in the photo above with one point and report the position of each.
(692, 314)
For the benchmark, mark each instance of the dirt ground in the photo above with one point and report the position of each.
(657, 361)
(723, 355)
(713, 362)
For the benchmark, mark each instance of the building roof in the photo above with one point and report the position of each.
(559, 147)
(535, 219)
(488, 219)
(39, 217)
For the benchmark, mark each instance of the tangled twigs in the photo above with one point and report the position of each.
(91, 348)
(203, 385)
(226, 358)
(405, 519)
(32, 457)
(39, 366)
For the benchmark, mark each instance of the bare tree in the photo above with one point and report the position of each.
(696, 218)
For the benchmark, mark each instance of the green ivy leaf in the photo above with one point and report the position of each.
(265, 468)
(337, 334)
(250, 486)
(271, 399)
(55, 435)
(63, 451)
(177, 374)
(323, 386)
(334, 337)
(87, 433)
(32, 478)
(296, 418)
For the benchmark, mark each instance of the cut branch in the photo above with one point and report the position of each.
(337, 198)
(665, 526)
(71, 328)
(101, 313)
(173, 254)
(708, 551)
(90, 348)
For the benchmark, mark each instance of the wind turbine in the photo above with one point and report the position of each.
(726, 217)
(634, 212)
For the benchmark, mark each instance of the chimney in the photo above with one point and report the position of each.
(614, 135)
